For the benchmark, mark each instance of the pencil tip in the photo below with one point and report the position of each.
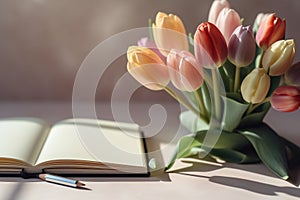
(80, 184)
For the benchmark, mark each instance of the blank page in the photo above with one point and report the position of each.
(84, 139)
(22, 138)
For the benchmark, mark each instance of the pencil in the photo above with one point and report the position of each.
(61, 180)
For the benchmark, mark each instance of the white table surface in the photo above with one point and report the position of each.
(203, 180)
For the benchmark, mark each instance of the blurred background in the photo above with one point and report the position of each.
(43, 42)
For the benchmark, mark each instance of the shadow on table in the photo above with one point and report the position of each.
(249, 185)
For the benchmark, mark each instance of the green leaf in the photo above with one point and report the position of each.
(294, 152)
(233, 156)
(192, 122)
(234, 113)
(192, 144)
(235, 96)
(269, 147)
(227, 140)
(183, 148)
(253, 119)
(150, 22)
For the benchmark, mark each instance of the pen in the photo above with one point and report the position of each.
(61, 180)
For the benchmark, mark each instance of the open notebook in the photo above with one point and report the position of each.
(72, 146)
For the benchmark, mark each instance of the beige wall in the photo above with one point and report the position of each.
(43, 42)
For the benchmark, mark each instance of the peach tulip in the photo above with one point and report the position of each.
(210, 46)
(255, 86)
(146, 42)
(185, 73)
(271, 29)
(279, 57)
(216, 8)
(227, 21)
(147, 67)
(286, 99)
(169, 33)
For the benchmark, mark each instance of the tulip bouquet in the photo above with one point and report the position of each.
(227, 75)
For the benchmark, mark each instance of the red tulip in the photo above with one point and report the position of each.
(210, 46)
(184, 71)
(286, 99)
(271, 29)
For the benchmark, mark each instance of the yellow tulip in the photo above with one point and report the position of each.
(147, 67)
(255, 86)
(169, 33)
(279, 57)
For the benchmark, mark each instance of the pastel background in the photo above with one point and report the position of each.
(43, 42)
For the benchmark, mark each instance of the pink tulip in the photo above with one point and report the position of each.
(146, 42)
(271, 29)
(241, 47)
(292, 76)
(286, 99)
(210, 46)
(216, 8)
(227, 21)
(184, 71)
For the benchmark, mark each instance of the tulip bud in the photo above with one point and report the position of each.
(184, 71)
(259, 18)
(241, 47)
(146, 42)
(147, 67)
(216, 8)
(169, 33)
(285, 99)
(271, 29)
(279, 57)
(210, 46)
(227, 21)
(255, 86)
(292, 76)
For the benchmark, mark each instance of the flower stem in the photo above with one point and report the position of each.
(237, 79)
(203, 110)
(182, 101)
(260, 59)
(252, 107)
(216, 92)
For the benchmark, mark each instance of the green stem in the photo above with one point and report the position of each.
(203, 110)
(237, 79)
(261, 58)
(252, 107)
(182, 101)
(216, 92)
(259, 104)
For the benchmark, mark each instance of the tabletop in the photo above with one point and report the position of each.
(189, 179)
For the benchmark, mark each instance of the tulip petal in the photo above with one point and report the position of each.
(286, 99)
